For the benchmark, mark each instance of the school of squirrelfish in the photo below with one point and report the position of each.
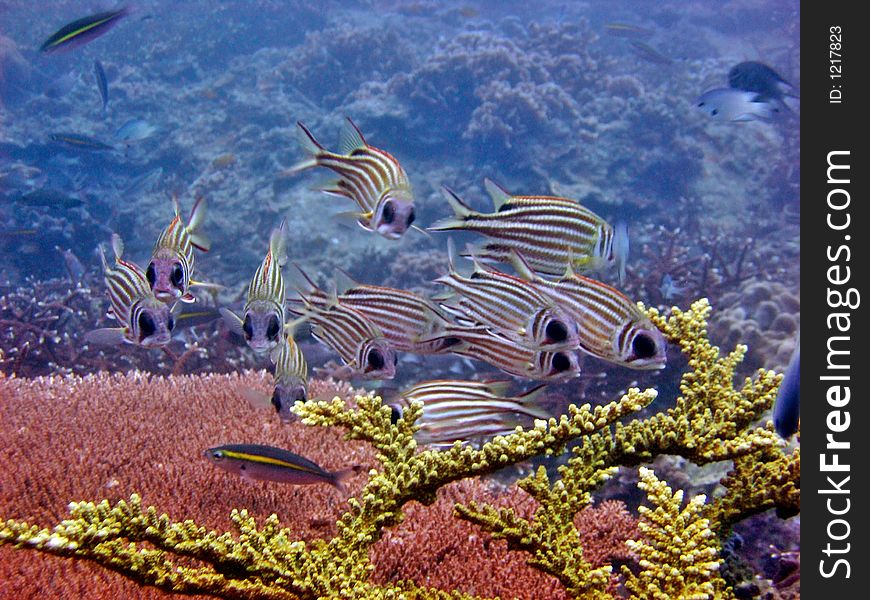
(534, 324)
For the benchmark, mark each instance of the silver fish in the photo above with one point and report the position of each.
(726, 104)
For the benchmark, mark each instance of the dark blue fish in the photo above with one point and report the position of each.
(81, 31)
(82, 142)
(752, 76)
(786, 411)
(102, 83)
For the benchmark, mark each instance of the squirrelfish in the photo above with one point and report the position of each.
(264, 314)
(548, 231)
(468, 410)
(267, 463)
(610, 326)
(291, 378)
(170, 271)
(144, 319)
(510, 306)
(478, 342)
(358, 342)
(369, 176)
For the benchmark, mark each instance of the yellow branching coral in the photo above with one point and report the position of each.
(710, 421)
(679, 552)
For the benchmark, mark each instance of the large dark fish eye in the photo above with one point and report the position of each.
(177, 276)
(395, 414)
(147, 326)
(556, 331)
(273, 329)
(170, 324)
(388, 214)
(248, 328)
(150, 274)
(411, 217)
(561, 362)
(276, 400)
(375, 360)
(643, 346)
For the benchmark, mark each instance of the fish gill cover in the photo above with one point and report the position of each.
(587, 104)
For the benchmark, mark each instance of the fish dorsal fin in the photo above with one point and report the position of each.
(194, 222)
(103, 257)
(117, 246)
(344, 282)
(278, 244)
(524, 271)
(498, 194)
(303, 283)
(351, 139)
(528, 399)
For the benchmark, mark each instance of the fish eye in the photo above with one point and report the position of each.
(217, 454)
(170, 323)
(395, 414)
(248, 328)
(177, 276)
(375, 360)
(556, 331)
(299, 395)
(274, 328)
(411, 217)
(276, 400)
(561, 362)
(389, 213)
(147, 327)
(150, 274)
(643, 346)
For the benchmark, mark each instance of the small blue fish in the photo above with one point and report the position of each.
(135, 130)
(81, 31)
(725, 104)
(102, 84)
(786, 410)
(267, 463)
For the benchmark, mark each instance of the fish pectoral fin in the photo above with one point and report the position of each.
(353, 219)
(255, 398)
(204, 284)
(233, 321)
(108, 336)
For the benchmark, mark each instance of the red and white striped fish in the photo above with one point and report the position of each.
(144, 320)
(549, 232)
(611, 327)
(358, 342)
(511, 306)
(264, 313)
(369, 176)
(478, 342)
(170, 271)
(401, 315)
(468, 410)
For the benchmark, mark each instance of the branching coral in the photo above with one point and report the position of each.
(711, 421)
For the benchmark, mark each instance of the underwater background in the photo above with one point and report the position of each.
(593, 101)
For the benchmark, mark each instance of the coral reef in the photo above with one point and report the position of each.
(711, 421)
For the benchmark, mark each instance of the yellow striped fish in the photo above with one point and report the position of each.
(611, 326)
(549, 232)
(468, 410)
(371, 177)
(264, 313)
(267, 463)
(510, 306)
(170, 271)
(480, 343)
(81, 31)
(145, 320)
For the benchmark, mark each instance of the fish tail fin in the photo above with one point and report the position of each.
(620, 249)
(461, 212)
(340, 478)
(310, 146)
(197, 215)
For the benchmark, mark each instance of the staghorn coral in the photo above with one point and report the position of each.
(711, 421)
(679, 555)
